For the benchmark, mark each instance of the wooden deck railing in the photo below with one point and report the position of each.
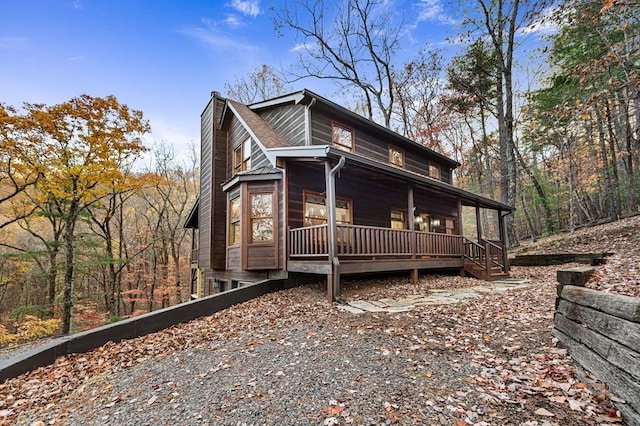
(370, 241)
(487, 254)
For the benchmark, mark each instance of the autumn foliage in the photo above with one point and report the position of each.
(83, 231)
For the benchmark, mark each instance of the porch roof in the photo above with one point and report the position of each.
(330, 152)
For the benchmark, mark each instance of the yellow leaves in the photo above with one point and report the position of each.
(83, 146)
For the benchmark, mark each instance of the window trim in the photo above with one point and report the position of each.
(403, 213)
(306, 193)
(242, 158)
(252, 217)
(231, 242)
(437, 167)
(393, 148)
(335, 125)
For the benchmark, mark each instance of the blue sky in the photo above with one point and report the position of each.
(160, 56)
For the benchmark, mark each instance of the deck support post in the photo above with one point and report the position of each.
(330, 284)
(414, 276)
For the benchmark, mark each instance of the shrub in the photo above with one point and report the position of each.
(35, 328)
(7, 338)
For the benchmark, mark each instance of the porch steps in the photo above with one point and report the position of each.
(494, 274)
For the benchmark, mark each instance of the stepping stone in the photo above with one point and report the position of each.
(366, 306)
(482, 290)
(443, 300)
(396, 309)
(397, 304)
(351, 309)
(427, 302)
(378, 303)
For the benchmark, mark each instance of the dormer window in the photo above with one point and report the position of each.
(242, 157)
(342, 137)
(396, 156)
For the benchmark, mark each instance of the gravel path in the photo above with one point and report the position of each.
(290, 358)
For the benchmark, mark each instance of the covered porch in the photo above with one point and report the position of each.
(346, 214)
(361, 249)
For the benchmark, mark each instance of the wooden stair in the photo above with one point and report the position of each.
(485, 260)
(479, 272)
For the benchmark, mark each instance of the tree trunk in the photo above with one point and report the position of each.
(52, 276)
(70, 266)
(614, 162)
(605, 164)
(548, 215)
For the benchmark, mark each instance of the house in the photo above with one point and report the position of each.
(298, 187)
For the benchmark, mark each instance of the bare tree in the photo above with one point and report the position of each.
(499, 21)
(354, 47)
(263, 83)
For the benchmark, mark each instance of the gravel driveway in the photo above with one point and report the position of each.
(290, 358)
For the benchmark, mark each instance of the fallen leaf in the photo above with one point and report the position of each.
(575, 405)
(544, 412)
(333, 410)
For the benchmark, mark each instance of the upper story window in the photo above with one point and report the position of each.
(342, 137)
(434, 171)
(396, 156)
(242, 157)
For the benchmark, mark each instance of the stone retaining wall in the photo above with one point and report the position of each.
(602, 333)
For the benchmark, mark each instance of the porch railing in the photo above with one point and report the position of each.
(487, 254)
(370, 241)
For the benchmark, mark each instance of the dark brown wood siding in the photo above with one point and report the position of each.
(212, 208)
(206, 182)
(372, 196)
(372, 199)
(374, 145)
(288, 121)
(301, 177)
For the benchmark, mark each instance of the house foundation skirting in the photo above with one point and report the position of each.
(356, 267)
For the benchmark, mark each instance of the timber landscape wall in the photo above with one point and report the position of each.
(602, 333)
(133, 327)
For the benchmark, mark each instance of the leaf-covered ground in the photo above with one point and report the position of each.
(621, 273)
(292, 358)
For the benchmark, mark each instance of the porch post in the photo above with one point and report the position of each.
(505, 255)
(330, 288)
(478, 222)
(410, 207)
(411, 224)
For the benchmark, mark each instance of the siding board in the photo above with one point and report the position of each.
(374, 145)
(288, 122)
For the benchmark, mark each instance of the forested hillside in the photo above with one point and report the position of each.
(89, 233)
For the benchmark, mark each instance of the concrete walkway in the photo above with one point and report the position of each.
(435, 297)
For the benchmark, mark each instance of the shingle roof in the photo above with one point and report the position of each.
(261, 130)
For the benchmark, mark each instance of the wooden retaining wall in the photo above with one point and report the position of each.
(133, 327)
(602, 333)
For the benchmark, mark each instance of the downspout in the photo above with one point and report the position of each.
(333, 229)
(307, 122)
